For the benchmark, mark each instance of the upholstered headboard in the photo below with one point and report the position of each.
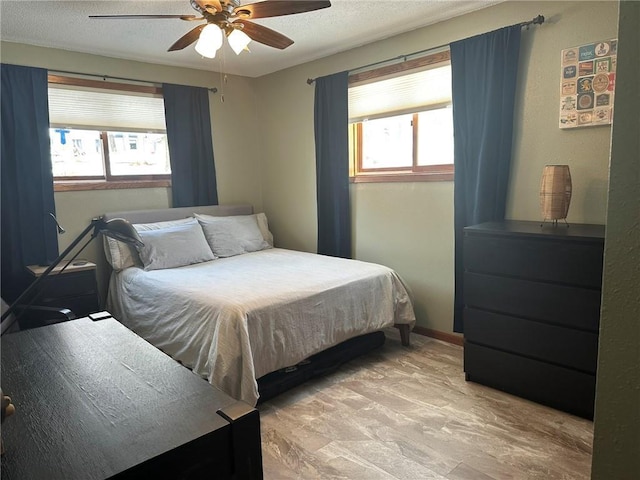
(166, 214)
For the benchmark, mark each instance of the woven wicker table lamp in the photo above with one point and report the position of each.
(555, 193)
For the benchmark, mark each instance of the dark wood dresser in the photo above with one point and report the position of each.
(532, 310)
(95, 401)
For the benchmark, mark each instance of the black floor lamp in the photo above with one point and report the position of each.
(116, 228)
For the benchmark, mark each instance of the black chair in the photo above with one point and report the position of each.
(31, 316)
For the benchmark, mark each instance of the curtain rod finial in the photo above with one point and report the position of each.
(310, 81)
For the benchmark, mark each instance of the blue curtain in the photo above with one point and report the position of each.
(484, 72)
(29, 233)
(331, 123)
(193, 170)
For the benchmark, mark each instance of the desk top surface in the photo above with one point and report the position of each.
(93, 399)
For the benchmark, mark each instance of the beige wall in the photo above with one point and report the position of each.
(264, 147)
(617, 421)
(269, 162)
(537, 138)
(409, 226)
(233, 125)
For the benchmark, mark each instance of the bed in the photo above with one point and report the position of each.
(241, 318)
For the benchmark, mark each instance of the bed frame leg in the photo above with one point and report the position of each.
(405, 330)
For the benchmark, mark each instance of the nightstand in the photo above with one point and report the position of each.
(75, 289)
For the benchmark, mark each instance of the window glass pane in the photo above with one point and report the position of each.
(76, 152)
(435, 137)
(132, 153)
(387, 142)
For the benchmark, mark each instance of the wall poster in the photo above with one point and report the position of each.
(587, 84)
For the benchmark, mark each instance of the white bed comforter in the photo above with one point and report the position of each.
(235, 319)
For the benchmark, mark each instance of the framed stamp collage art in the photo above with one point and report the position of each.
(587, 85)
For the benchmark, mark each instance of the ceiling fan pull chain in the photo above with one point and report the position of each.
(223, 76)
(222, 82)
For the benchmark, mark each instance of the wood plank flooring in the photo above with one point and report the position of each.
(408, 413)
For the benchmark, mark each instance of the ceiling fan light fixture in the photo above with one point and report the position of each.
(238, 40)
(228, 18)
(210, 41)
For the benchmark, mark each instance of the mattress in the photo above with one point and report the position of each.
(233, 320)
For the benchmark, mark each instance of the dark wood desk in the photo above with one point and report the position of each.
(93, 401)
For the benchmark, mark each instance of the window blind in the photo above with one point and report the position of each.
(401, 94)
(90, 108)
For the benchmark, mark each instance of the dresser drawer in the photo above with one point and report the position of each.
(558, 387)
(562, 305)
(68, 284)
(554, 344)
(570, 262)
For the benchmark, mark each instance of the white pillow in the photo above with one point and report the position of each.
(263, 225)
(233, 235)
(173, 247)
(261, 219)
(121, 255)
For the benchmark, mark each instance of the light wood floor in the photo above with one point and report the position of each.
(407, 413)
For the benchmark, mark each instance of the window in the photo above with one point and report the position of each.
(106, 135)
(401, 121)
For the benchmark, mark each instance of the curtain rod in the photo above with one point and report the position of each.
(539, 20)
(105, 77)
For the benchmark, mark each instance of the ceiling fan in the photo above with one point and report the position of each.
(231, 19)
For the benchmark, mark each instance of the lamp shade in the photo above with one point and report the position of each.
(121, 230)
(555, 192)
(210, 41)
(238, 40)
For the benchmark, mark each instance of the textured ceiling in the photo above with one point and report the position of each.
(345, 25)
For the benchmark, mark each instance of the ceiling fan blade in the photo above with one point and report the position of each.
(275, 8)
(142, 17)
(262, 34)
(187, 39)
(211, 6)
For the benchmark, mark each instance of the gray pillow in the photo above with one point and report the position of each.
(174, 246)
(121, 255)
(234, 235)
